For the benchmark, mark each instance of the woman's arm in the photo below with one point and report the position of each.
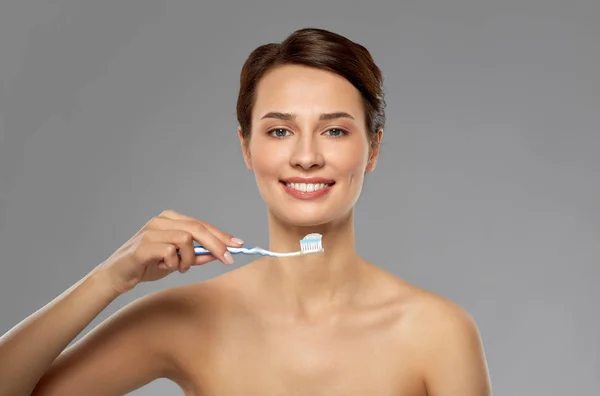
(29, 348)
(118, 356)
(130, 348)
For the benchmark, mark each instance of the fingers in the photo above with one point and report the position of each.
(182, 240)
(226, 238)
(204, 258)
(199, 232)
(157, 252)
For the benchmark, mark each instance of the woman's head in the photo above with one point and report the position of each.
(311, 106)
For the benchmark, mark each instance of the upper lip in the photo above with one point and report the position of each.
(308, 180)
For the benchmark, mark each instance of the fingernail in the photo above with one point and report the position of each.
(237, 241)
(228, 258)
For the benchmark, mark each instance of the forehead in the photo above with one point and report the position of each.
(306, 91)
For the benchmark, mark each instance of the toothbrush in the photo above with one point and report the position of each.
(311, 243)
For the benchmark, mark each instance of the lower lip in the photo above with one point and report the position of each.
(306, 194)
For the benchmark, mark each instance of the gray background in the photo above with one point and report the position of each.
(487, 190)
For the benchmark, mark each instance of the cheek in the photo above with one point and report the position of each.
(266, 160)
(350, 159)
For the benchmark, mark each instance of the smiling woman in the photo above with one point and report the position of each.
(311, 118)
(316, 97)
(307, 123)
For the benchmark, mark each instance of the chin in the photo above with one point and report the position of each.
(297, 219)
(305, 217)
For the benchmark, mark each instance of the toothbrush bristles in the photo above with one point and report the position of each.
(311, 243)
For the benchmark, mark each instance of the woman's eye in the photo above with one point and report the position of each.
(336, 132)
(279, 132)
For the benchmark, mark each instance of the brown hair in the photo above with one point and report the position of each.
(321, 49)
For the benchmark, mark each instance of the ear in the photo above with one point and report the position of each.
(374, 151)
(245, 143)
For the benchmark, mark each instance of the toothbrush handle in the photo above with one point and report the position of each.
(200, 250)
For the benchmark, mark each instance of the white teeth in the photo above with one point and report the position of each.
(307, 187)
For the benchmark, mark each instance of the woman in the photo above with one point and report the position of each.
(311, 116)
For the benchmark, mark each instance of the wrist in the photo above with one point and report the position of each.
(100, 281)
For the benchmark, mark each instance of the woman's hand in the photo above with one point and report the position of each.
(151, 254)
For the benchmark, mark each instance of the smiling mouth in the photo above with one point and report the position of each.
(307, 187)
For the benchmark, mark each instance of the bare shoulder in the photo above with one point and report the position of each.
(446, 340)
(200, 307)
(426, 311)
(186, 310)
(439, 317)
(168, 310)
(153, 321)
(134, 346)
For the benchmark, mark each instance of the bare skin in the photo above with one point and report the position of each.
(229, 336)
(323, 324)
(238, 334)
(391, 339)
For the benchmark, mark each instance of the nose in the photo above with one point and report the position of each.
(306, 153)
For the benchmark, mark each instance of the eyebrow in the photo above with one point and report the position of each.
(292, 116)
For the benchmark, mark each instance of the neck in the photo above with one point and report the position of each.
(313, 283)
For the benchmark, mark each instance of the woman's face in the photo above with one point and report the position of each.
(309, 147)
